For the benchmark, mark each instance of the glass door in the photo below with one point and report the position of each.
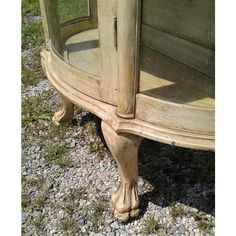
(82, 35)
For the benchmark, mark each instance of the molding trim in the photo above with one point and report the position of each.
(135, 126)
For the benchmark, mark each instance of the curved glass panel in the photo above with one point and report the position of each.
(177, 51)
(72, 9)
(73, 32)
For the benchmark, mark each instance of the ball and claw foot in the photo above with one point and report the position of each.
(124, 148)
(125, 202)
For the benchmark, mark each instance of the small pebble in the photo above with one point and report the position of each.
(81, 222)
(114, 225)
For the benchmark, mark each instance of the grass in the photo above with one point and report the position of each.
(33, 110)
(37, 181)
(70, 206)
(38, 222)
(31, 69)
(32, 34)
(69, 225)
(205, 224)
(76, 193)
(40, 200)
(177, 211)
(98, 148)
(36, 120)
(151, 225)
(99, 208)
(32, 39)
(30, 7)
(72, 10)
(25, 201)
(96, 216)
(57, 154)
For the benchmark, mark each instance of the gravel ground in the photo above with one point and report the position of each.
(69, 194)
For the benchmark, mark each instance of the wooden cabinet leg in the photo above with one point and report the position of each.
(124, 148)
(65, 114)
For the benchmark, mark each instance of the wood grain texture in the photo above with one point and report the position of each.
(124, 148)
(190, 20)
(191, 54)
(168, 90)
(70, 28)
(175, 115)
(65, 114)
(77, 78)
(100, 72)
(164, 67)
(135, 126)
(107, 38)
(127, 50)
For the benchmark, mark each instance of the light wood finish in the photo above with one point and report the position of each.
(107, 41)
(83, 57)
(170, 91)
(178, 44)
(53, 25)
(107, 113)
(191, 54)
(175, 115)
(127, 49)
(191, 20)
(124, 148)
(77, 78)
(69, 29)
(45, 21)
(120, 134)
(174, 103)
(65, 114)
(158, 64)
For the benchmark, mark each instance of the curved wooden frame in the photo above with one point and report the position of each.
(108, 114)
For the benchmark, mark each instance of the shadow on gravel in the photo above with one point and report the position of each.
(177, 175)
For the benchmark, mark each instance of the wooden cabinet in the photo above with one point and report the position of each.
(146, 68)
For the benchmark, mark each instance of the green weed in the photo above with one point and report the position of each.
(57, 154)
(69, 225)
(151, 225)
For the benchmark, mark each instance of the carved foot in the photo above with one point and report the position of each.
(65, 114)
(124, 148)
(125, 202)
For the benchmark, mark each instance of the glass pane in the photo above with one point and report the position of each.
(177, 51)
(72, 9)
(76, 42)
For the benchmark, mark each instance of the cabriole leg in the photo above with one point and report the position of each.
(65, 114)
(124, 148)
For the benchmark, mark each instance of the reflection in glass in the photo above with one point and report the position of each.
(72, 9)
(76, 41)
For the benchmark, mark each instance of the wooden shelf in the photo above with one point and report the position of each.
(82, 51)
(173, 92)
